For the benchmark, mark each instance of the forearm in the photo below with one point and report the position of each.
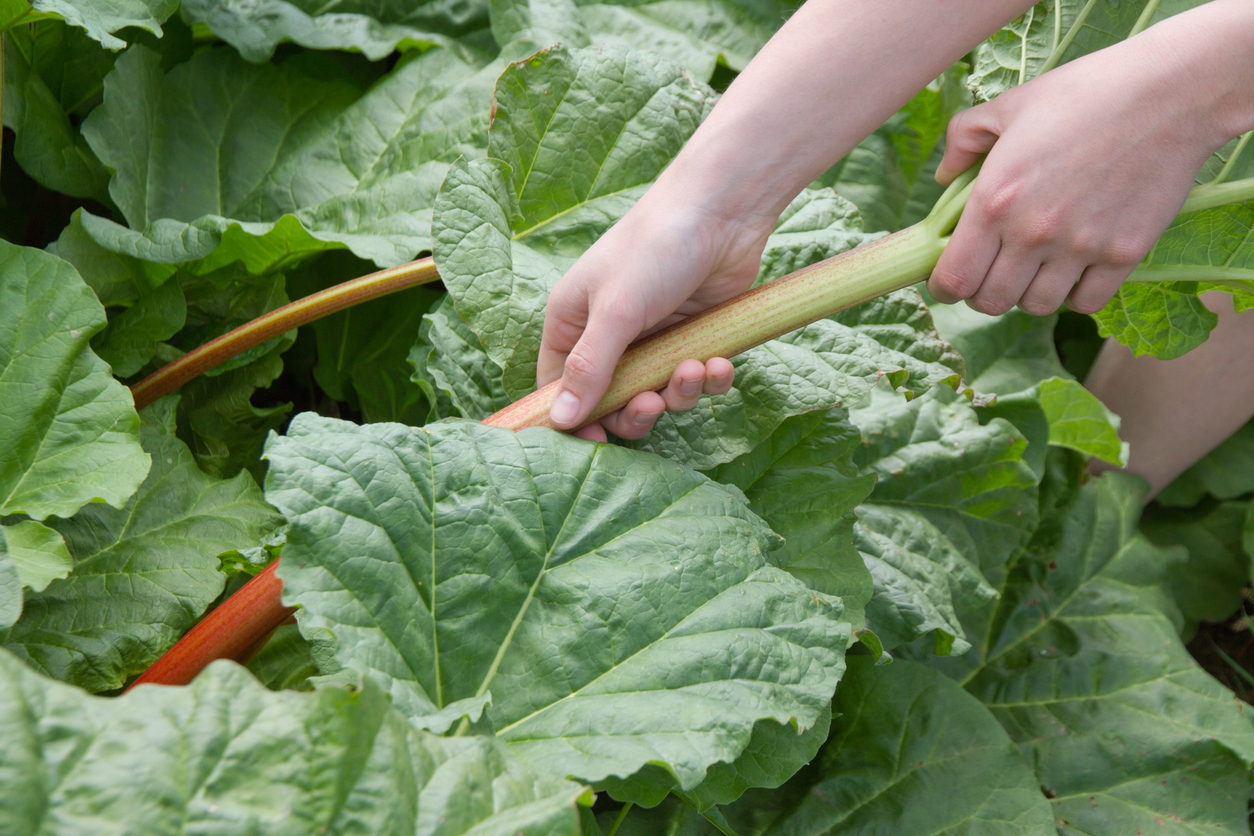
(829, 77)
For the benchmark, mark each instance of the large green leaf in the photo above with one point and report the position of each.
(1080, 660)
(695, 33)
(952, 501)
(37, 551)
(68, 434)
(616, 610)
(801, 480)
(227, 756)
(373, 27)
(910, 752)
(142, 575)
(103, 18)
(220, 160)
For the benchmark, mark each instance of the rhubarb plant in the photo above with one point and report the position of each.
(870, 589)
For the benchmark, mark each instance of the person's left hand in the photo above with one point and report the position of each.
(1086, 166)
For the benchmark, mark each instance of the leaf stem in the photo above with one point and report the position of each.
(1232, 160)
(1143, 21)
(1056, 55)
(235, 630)
(1236, 278)
(622, 814)
(1211, 195)
(270, 325)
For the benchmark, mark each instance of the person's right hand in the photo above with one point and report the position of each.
(661, 263)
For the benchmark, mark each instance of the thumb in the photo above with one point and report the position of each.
(589, 367)
(971, 134)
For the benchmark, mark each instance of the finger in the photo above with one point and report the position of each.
(719, 376)
(1097, 286)
(1050, 287)
(966, 259)
(565, 317)
(588, 368)
(684, 389)
(971, 134)
(1007, 279)
(592, 432)
(637, 418)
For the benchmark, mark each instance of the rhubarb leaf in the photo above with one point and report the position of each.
(142, 575)
(1227, 472)
(1080, 660)
(104, 18)
(452, 368)
(226, 755)
(69, 431)
(277, 163)
(375, 28)
(695, 33)
(38, 553)
(802, 482)
(615, 622)
(910, 751)
(952, 501)
(131, 339)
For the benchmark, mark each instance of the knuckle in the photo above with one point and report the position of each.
(988, 305)
(1086, 305)
(579, 368)
(1000, 200)
(1126, 251)
(955, 284)
(1037, 307)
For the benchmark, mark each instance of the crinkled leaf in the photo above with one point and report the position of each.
(38, 553)
(952, 501)
(832, 362)
(452, 368)
(226, 755)
(910, 752)
(375, 28)
(816, 225)
(143, 574)
(68, 434)
(1207, 586)
(695, 33)
(1166, 320)
(614, 621)
(220, 160)
(1081, 662)
(802, 482)
(889, 175)
(582, 133)
(103, 18)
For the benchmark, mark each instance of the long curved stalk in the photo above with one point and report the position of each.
(774, 309)
(268, 326)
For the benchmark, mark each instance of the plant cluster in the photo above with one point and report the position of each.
(871, 589)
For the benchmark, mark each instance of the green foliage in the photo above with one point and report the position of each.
(228, 753)
(483, 615)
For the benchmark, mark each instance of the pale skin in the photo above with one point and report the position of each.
(1086, 166)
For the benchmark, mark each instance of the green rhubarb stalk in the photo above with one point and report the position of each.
(279, 321)
(890, 263)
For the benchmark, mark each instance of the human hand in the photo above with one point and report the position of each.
(658, 265)
(1087, 165)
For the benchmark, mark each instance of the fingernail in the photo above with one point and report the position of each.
(690, 388)
(565, 408)
(646, 419)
